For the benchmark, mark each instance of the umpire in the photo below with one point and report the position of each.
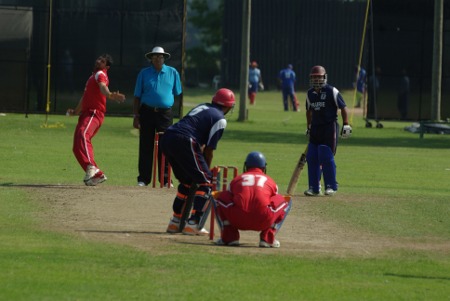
(154, 94)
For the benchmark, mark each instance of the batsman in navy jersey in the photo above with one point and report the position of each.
(189, 145)
(322, 104)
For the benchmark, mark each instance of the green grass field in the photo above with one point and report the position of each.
(392, 184)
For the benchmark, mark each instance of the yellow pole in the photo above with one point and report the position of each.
(361, 48)
(47, 109)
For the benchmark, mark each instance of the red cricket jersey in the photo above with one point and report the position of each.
(252, 190)
(93, 99)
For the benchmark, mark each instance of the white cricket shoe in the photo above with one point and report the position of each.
(174, 225)
(310, 192)
(98, 178)
(192, 229)
(330, 191)
(91, 170)
(264, 244)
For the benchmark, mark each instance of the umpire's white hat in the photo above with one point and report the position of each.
(157, 50)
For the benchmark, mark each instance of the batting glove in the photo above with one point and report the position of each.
(346, 131)
(307, 132)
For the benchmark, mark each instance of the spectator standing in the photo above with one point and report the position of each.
(322, 104)
(251, 203)
(154, 94)
(67, 69)
(361, 79)
(254, 82)
(287, 80)
(189, 145)
(403, 95)
(92, 108)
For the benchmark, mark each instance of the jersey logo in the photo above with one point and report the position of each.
(317, 105)
(323, 96)
(252, 180)
(197, 110)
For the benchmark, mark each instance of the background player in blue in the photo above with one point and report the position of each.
(287, 80)
(322, 104)
(254, 82)
(189, 145)
(361, 78)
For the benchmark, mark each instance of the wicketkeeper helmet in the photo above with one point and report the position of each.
(255, 159)
(224, 97)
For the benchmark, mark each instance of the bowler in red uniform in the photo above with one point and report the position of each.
(92, 108)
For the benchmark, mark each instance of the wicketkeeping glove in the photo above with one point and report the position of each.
(346, 131)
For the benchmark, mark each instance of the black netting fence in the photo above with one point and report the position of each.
(305, 33)
(80, 31)
(402, 46)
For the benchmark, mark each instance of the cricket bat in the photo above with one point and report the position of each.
(296, 174)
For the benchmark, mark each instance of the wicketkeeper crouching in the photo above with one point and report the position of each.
(251, 203)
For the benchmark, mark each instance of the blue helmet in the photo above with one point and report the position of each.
(255, 159)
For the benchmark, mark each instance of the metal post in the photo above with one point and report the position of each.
(436, 74)
(245, 58)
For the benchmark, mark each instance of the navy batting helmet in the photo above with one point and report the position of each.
(255, 159)
(317, 77)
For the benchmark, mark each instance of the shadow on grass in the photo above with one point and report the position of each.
(121, 232)
(207, 243)
(416, 276)
(288, 138)
(9, 184)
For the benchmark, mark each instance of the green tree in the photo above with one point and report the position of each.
(204, 59)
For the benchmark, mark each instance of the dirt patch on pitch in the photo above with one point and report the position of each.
(138, 216)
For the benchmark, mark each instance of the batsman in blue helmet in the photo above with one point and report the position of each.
(322, 104)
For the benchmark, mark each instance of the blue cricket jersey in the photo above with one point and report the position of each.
(324, 104)
(205, 124)
(287, 77)
(361, 81)
(254, 75)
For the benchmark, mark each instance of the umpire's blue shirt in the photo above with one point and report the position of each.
(157, 89)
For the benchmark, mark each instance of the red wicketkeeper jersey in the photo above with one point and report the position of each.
(252, 190)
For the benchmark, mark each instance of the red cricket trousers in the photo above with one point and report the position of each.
(88, 125)
(235, 219)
